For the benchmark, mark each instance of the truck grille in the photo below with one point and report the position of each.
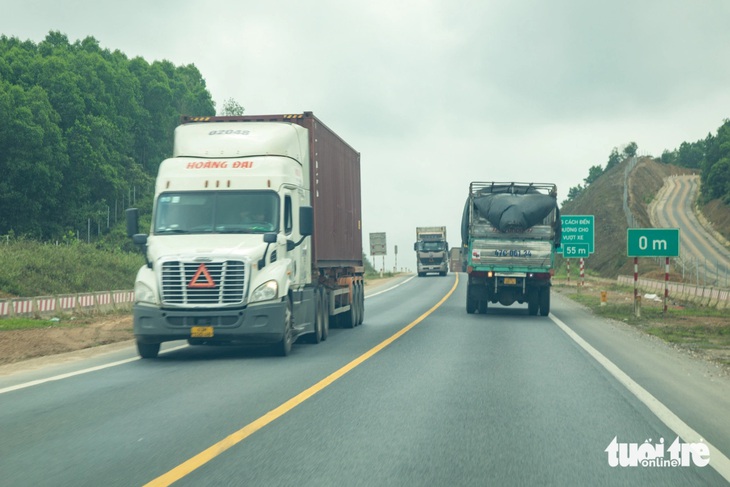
(212, 283)
(431, 260)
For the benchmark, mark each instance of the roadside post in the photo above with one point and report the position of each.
(395, 267)
(651, 242)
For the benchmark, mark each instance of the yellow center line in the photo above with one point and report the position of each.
(213, 451)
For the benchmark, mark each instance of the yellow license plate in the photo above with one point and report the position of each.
(510, 280)
(201, 332)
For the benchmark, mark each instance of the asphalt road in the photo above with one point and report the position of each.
(703, 258)
(421, 394)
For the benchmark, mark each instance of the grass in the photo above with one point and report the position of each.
(700, 329)
(31, 268)
(62, 320)
(7, 324)
(704, 336)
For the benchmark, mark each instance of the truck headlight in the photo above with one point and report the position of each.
(143, 294)
(265, 292)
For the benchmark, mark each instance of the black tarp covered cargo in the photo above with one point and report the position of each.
(512, 207)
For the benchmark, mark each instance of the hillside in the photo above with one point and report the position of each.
(605, 199)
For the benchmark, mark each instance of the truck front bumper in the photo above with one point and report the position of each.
(257, 324)
(433, 268)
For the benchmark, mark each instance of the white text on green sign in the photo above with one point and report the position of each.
(575, 251)
(577, 230)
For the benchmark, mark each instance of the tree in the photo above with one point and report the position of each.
(669, 157)
(593, 173)
(573, 193)
(714, 171)
(232, 108)
(613, 159)
(32, 159)
(630, 149)
(718, 181)
(80, 126)
(691, 154)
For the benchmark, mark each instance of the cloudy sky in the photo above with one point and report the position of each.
(437, 93)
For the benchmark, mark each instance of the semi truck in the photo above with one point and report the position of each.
(432, 250)
(510, 234)
(255, 236)
(455, 259)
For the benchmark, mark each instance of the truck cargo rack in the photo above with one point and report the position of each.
(479, 188)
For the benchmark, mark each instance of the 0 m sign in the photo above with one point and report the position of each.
(652, 242)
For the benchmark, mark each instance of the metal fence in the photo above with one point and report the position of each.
(630, 220)
(700, 295)
(66, 303)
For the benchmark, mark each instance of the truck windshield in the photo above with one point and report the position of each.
(431, 246)
(217, 212)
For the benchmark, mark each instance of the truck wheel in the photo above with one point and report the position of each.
(356, 303)
(483, 304)
(361, 304)
(545, 302)
(348, 319)
(471, 305)
(148, 350)
(324, 305)
(533, 303)
(316, 337)
(283, 348)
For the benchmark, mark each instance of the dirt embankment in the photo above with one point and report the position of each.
(604, 199)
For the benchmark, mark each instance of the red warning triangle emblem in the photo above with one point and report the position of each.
(202, 278)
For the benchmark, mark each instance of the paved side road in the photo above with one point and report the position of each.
(700, 253)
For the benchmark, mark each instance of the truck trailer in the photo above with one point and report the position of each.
(432, 250)
(455, 259)
(255, 236)
(510, 233)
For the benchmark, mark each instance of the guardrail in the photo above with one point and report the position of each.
(700, 295)
(66, 303)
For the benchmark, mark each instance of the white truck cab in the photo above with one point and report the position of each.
(228, 253)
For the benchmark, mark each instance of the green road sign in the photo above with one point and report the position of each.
(578, 235)
(652, 242)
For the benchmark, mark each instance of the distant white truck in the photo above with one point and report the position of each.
(255, 235)
(432, 251)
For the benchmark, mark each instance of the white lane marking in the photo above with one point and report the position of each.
(126, 361)
(718, 460)
(390, 288)
(78, 372)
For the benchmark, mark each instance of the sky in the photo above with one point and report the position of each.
(435, 94)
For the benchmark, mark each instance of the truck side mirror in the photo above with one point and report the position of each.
(306, 220)
(269, 238)
(415, 245)
(139, 239)
(132, 221)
